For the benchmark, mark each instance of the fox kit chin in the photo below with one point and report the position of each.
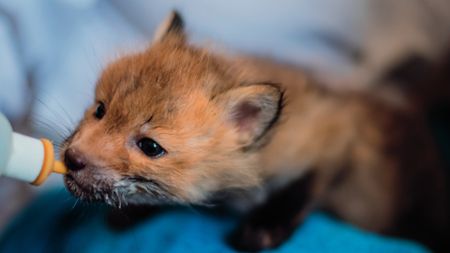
(180, 124)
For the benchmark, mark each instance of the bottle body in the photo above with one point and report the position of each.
(25, 158)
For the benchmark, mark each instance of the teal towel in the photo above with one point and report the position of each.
(55, 223)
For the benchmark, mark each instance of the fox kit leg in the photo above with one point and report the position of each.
(270, 224)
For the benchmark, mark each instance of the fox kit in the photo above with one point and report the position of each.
(180, 124)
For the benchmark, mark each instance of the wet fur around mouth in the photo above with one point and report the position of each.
(129, 190)
(99, 192)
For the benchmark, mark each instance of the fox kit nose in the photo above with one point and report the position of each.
(74, 160)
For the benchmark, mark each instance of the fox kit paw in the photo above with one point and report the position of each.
(257, 237)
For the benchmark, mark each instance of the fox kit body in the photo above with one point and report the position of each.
(179, 124)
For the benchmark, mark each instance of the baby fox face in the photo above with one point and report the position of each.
(172, 124)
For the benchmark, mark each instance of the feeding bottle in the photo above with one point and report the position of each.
(26, 158)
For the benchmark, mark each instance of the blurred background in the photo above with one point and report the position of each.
(51, 51)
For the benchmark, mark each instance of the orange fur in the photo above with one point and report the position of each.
(353, 142)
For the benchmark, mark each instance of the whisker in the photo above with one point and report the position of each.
(76, 202)
(57, 114)
(42, 124)
(67, 114)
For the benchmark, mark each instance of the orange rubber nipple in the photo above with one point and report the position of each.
(49, 165)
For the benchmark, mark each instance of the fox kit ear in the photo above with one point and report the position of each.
(252, 110)
(172, 25)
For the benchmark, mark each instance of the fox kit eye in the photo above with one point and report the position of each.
(150, 148)
(100, 111)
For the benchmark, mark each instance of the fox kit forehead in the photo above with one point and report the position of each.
(162, 80)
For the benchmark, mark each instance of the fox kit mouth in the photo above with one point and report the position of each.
(127, 190)
(90, 192)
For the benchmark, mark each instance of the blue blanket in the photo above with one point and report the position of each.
(52, 224)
